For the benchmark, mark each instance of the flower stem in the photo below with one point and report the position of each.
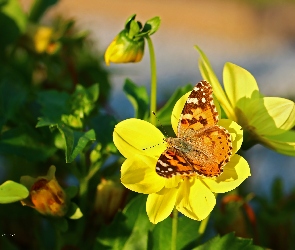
(203, 225)
(153, 99)
(174, 229)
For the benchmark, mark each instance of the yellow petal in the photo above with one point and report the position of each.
(235, 131)
(160, 205)
(273, 116)
(138, 173)
(209, 75)
(240, 86)
(194, 199)
(134, 136)
(234, 173)
(173, 181)
(283, 143)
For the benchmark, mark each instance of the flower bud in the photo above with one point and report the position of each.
(110, 197)
(46, 195)
(124, 49)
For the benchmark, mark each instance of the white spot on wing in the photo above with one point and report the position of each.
(163, 163)
(192, 100)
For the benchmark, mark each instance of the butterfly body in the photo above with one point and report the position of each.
(202, 147)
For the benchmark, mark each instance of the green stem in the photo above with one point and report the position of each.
(203, 225)
(153, 99)
(174, 229)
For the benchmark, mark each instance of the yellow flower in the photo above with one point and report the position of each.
(128, 45)
(124, 49)
(192, 196)
(265, 120)
(42, 38)
(46, 195)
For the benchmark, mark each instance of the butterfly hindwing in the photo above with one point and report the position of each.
(172, 163)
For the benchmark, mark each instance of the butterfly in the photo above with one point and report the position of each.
(201, 147)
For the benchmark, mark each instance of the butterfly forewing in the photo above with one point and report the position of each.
(199, 110)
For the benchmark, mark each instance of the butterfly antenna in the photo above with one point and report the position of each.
(164, 131)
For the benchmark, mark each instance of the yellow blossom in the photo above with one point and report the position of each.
(141, 144)
(265, 120)
(42, 38)
(124, 49)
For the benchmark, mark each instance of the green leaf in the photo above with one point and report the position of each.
(75, 141)
(60, 223)
(164, 114)
(83, 100)
(229, 242)
(7, 244)
(138, 97)
(26, 143)
(54, 105)
(129, 230)
(71, 191)
(14, 11)
(12, 96)
(3, 2)
(187, 234)
(11, 191)
(277, 190)
(103, 125)
(13, 22)
(38, 9)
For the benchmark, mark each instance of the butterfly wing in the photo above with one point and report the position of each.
(172, 162)
(213, 149)
(199, 110)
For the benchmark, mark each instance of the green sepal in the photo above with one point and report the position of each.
(150, 27)
(134, 29)
(129, 20)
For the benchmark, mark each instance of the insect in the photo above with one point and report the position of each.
(202, 147)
